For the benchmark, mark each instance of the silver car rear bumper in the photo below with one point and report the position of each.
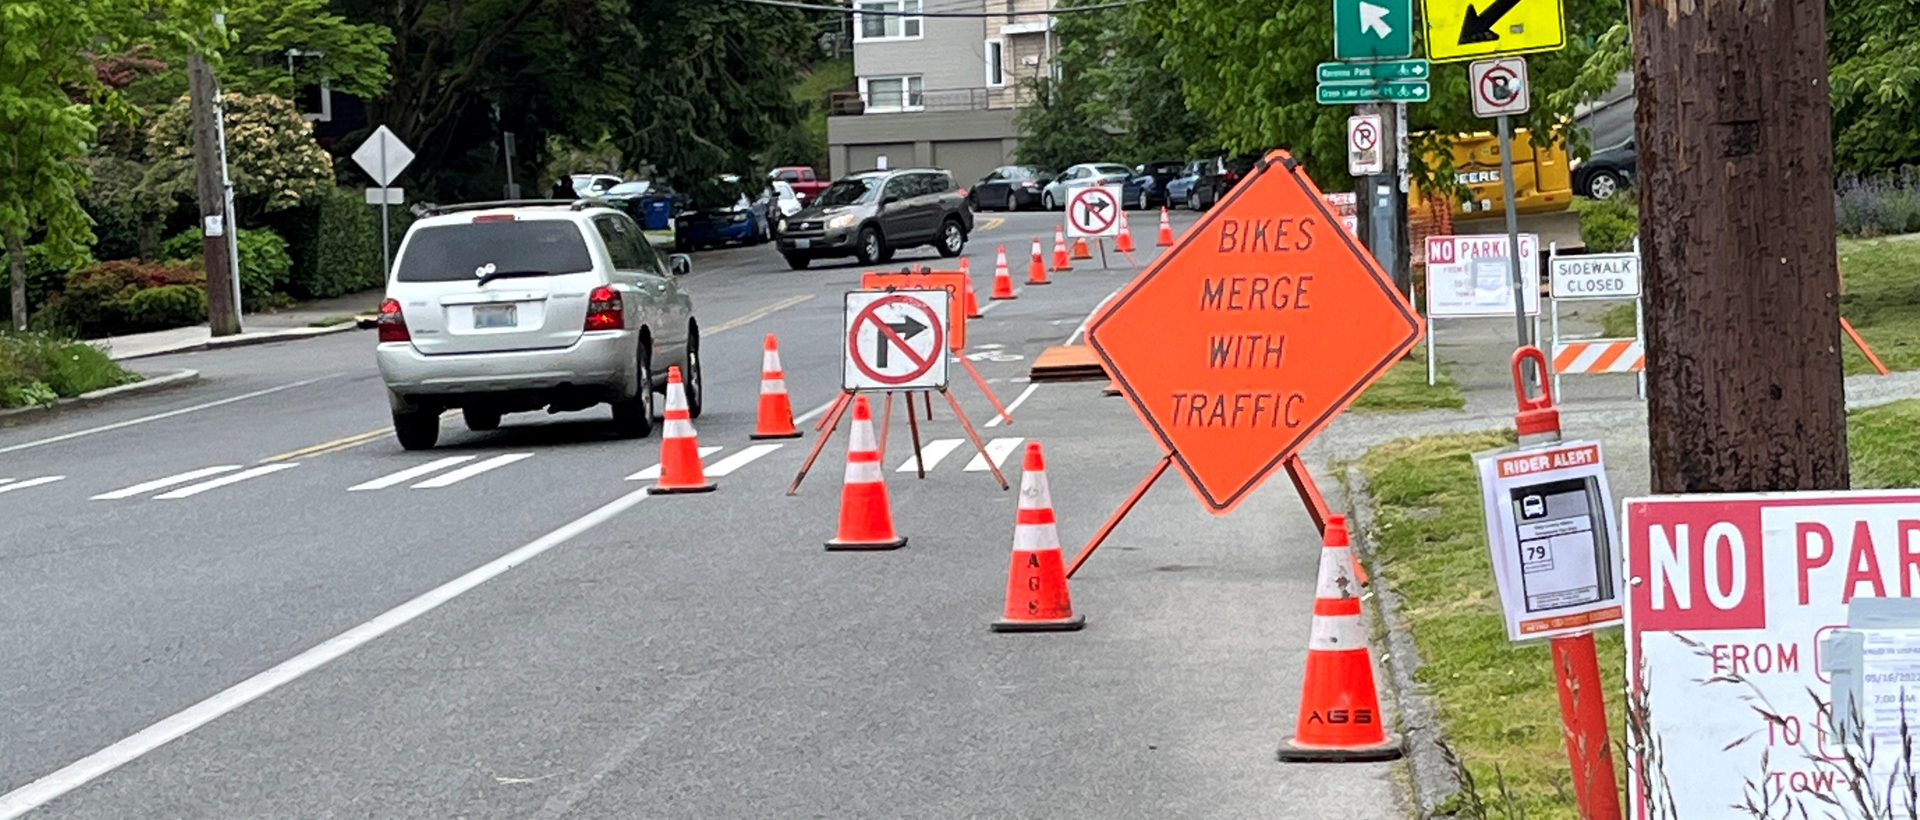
(605, 359)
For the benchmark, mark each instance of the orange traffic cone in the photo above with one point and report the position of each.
(1002, 280)
(680, 470)
(1124, 242)
(1037, 599)
(1037, 269)
(776, 407)
(1166, 230)
(866, 519)
(1080, 248)
(1000, 265)
(973, 303)
(1060, 262)
(1340, 716)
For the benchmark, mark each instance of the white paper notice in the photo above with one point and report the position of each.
(1890, 689)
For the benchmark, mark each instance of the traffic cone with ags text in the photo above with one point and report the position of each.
(1060, 261)
(1124, 242)
(1037, 599)
(866, 518)
(1037, 269)
(1166, 230)
(776, 407)
(680, 470)
(1002, 279)
(1339, 718)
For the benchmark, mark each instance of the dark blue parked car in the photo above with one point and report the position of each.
(1149, 184)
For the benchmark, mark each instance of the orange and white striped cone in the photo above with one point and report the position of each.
(1037, 599)
(1124, 242)
(866, 518)
(1166, 230)
(973, 302)
(776, 407)
(1002, 280)
(1060, 261)
(1037, 269)
(1080, 248)
(680, 470)
(1339, 718)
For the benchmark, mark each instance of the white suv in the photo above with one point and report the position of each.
(498, 308)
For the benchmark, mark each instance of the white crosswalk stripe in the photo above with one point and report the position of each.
(163, 483)
(930, 454)
(997, 449)
(411, 473)
(739, 459)
(192, 490)
(8, 485)
(653, 473)
(471, 470)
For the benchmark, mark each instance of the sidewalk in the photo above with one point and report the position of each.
(298, 322)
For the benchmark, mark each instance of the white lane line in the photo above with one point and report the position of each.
(74, 775)
(740, 459)
(163, 483)
(1015, 405)
(470, 471)
(6, 481)
(1092, 313)
(998, 449)
(653, 473)
(192, 490)
(31, 482)
(932, 452)
(411, 473)
(803, 418)
(155, 417)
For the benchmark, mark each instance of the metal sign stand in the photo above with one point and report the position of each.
(832, 423)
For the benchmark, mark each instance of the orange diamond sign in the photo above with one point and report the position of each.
(1263, 323)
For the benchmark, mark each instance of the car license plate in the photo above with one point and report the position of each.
(492, 316)
(803, 243)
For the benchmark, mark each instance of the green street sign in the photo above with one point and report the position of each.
(1373, 72)
(1399, 91)
(1372, 29)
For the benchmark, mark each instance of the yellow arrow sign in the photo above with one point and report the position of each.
(1459, 30)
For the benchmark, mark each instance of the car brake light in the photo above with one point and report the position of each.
(495, 218)
(393, 325)
(604, 309)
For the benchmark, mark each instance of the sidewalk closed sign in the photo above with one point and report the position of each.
(1729, 596)
(1550, 527)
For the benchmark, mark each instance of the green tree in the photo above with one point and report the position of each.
(51, 99)
(271, 156)
(352, 57)
(1876, 84)
(1116, 98)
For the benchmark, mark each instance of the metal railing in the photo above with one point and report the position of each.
(854, 103)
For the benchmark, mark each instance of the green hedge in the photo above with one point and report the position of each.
(266, 268)
(335, 243)
(126, 296)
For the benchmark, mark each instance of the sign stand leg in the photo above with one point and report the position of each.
(913, 425)
(839, 406)
(833, 419)
(928, 395)
(975, 438)
(1583, 714)
(1317, 508)
(1555, 347)
(1433, 341)
(1106, 529)
(886, 423)
(1862, 344)
(1005, 418)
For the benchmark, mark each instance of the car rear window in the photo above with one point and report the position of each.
(450, 253)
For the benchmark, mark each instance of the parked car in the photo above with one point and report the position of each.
(1053, 197)
(806, 184)
(1606, 172)
(1009, 188)
(593, 184)
(779, 200)
(1150, 181)
(1207, 181)
(741, 223)
(873, 214)
(498, 308)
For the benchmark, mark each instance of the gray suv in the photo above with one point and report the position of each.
(872, 214)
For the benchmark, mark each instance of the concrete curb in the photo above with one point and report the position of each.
(244, 340)
(153, 384)
(1433, 779)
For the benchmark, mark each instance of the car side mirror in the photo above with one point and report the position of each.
(680, 263)
(889, 199)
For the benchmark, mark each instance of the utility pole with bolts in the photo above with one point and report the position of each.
(223, 304)
(1734, 132)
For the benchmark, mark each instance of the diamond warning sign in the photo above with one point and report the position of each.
(1256, 330)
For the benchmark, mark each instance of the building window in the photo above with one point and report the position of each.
(893, 93)
(996, 63)
(886, 26)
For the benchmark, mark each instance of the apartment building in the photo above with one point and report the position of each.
(938, 91)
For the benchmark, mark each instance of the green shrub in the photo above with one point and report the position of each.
(335, 243)
(44, 278)
(164, 307)
(97, 300)
(1609, 225)
(265, 266)
(37, 368)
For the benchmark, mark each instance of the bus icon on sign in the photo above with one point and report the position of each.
(1533, 506)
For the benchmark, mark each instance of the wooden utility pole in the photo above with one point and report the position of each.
(221, 315)
(1737, 236)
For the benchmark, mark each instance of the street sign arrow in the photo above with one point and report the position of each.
(908, 327)
(1374, 19)
(1478, 26)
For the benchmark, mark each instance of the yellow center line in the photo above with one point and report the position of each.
(756, 315)
(990, 223)
(328, 446)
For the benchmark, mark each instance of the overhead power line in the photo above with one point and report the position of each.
(1056, 12)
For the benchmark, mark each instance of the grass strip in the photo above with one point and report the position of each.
(1403, 388)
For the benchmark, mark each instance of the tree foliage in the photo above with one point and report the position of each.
(352, 59)
(1876, 84)
(271, 156)
(1116, 98)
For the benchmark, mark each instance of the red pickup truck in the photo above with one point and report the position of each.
(805, 183)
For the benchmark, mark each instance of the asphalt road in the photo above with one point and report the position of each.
(227, 604)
